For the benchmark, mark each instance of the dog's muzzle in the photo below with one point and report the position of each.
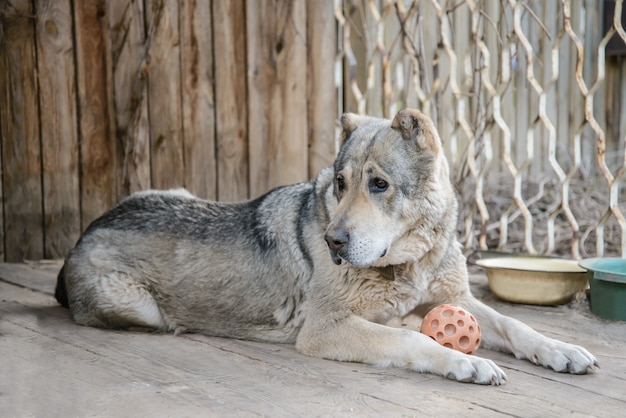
(337, 239)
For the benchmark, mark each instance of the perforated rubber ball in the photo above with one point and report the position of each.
(452, 327)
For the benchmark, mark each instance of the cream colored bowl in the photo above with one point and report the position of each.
(534, 280)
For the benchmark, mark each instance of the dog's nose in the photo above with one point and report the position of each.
(336, 238)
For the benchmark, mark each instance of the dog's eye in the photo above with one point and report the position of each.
(378, 185)
(340, 183)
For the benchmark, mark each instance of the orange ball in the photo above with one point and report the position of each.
(452, 327)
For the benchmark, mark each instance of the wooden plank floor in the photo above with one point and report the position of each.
(50, 367)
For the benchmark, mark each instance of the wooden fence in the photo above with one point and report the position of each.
(229, 98)
(102, 98)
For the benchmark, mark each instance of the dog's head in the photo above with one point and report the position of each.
(392, 195)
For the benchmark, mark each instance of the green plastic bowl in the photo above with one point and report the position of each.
(607, 287)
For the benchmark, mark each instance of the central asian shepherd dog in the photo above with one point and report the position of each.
(323, 264)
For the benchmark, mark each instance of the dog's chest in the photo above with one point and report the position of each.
(378, 298)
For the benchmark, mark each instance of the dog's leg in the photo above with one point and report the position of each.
(358, 340)
(506, 334)
(116, 300)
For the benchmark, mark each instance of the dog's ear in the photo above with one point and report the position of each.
(349, 123)
(416, 126)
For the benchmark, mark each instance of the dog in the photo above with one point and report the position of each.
(323, 264)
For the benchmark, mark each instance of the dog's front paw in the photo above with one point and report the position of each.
(470, 369)
(565, 358)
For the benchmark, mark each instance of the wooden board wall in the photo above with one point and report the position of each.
(21, 147)
(101, 98)
(96, 140)
(231, 108)
(277, 68)
(198, 98)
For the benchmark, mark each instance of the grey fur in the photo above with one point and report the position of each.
(262, 270)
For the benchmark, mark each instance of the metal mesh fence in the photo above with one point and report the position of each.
(527, 99)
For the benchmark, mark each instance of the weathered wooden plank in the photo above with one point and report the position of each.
(532, 31)
(164, 93)
(19, 123)
(1, 185)
(198, 98)
(355, 49)
(444, 99)
(427, 40)
(277, 66)
(39, 276)
(231, 107)
(564, 90)
(495, 46)
(128, 74)
(507, 103)
(372, 65)
(611, 107)
(549, 10)
(59, 137)
(98, 381)
(621, 105)
(522, 102)
(97, 143)
(574, 113)
(322, 46)
(461, 23)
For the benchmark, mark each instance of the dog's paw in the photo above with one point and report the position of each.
(564, 358)
(470, 369)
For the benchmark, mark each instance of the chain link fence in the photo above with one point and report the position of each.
(527, 98)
